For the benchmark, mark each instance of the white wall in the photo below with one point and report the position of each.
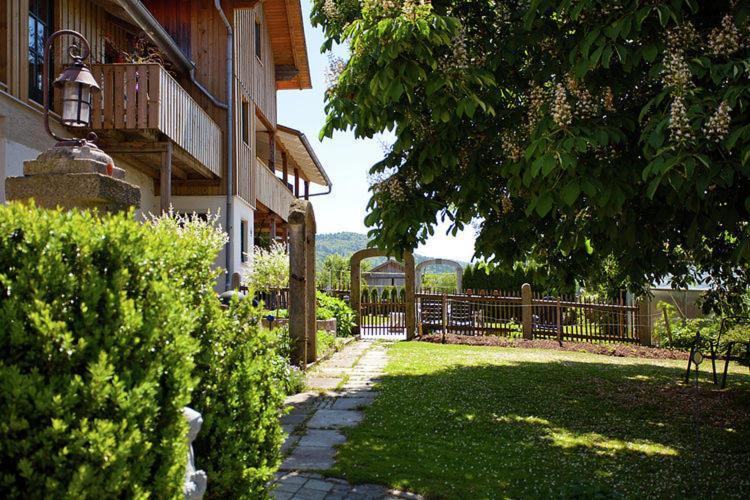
(214, 205)
(146, 183)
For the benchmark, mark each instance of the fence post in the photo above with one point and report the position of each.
(445, 316)
(526, 298)
(644, 321)
(559, 322)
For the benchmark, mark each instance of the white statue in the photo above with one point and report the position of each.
(195, 480)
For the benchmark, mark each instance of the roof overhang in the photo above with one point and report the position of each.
(287, 31)
(299, 148)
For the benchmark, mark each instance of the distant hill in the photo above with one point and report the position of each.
(346, 243)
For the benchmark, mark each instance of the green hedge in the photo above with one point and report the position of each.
(108, 325)
(96, 352)
(244, 379)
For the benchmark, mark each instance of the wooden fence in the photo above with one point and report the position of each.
(495, 312)
(527, 315)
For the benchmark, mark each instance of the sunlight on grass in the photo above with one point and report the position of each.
(475, 422)
(567, 439)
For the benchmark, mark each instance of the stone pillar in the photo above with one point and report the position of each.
(74, 177)
(302, 304)
(526, 312)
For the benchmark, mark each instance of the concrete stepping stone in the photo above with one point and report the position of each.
(351, 403)
(333, 419)
(321, 438)
(309, 458)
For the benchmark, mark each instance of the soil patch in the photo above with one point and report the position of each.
(620, 350)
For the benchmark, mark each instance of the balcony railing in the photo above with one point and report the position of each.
(271, 191)
(143, 97)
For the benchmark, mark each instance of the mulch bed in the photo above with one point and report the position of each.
(620, 350)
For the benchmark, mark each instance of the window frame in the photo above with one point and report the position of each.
(243, 241)
(35, 53)
(258, 40)
(245, 121)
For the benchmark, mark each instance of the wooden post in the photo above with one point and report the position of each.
(667, 325)
(644, 321)
(312, 324)
(445, 316)
(409, 295)
(302, 324)
(165, 178)
(236, 281)
(526, 299)
(285, 168)
(297, 302)
(296, 182)
(307, 190)
(355, 293)
(272, 151)
(559, 322)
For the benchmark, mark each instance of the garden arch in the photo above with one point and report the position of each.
(442, 262)
(408, 306)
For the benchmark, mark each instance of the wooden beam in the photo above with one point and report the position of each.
(296, 182)
(165, 184)
(285, 167)
(272, 150)
(307, 190)
(135, 147)
(139, 164)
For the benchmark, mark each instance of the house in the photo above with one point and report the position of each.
(386, 274)
(187, 104)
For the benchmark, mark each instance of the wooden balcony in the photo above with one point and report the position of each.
(141, 104)
(271, 191)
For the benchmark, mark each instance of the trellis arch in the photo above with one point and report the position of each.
(356, 292)
(441, 262)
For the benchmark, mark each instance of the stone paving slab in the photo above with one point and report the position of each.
(309, 458)
(303, 486)
(314, 424)
(322, 437)
(332, 419)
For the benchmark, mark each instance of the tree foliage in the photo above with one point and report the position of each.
(570, 132)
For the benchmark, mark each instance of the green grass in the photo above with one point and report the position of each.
(477, 422)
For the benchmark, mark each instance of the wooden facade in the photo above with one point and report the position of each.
(154, 118)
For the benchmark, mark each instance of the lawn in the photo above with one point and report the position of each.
(482, 422)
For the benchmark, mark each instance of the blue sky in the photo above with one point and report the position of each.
(347, 160)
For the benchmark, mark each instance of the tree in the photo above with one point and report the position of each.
(572, 133)
(334, 272)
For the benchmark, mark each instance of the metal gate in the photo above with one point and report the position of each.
(382, 314)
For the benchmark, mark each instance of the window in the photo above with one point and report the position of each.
(245, 122)
(258, 37)
(40, 27)
(243, 241)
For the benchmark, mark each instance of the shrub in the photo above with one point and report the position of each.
(325, 341)
(244, 379)
(336, 308)
(684, 332)
(96, 351)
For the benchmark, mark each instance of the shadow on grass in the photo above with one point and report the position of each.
(564, 428)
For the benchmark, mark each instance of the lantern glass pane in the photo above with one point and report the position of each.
(70, 104)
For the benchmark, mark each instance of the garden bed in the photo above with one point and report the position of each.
(620, 350)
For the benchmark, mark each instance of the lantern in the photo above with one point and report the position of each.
(77, 85)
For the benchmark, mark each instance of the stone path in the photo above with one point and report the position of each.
(339, 388)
